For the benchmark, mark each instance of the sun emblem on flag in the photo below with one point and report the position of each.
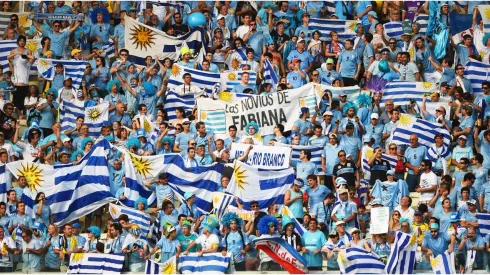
(302, 102)
(406, 120)
(342, 258)
(434, 262)
(413, 239)
(204, 116)
(285, 211)
(240, 177)
(225, 96)
(77, 257)
(487, 13)
(235, 63)
(142, 165)
(33, 175)
(24, 21)
(146, 125)
(369, 153)
(427, 86)
(43, 64)
(175, 70)
(94, 114)
(113, 210)
(352, 26)
(32, 46)
(142, 37)
(232, 76)
(169, 268)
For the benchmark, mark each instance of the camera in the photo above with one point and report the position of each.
(23, 56)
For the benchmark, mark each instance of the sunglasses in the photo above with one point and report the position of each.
(255, 205)
(166, 144)
(192, 143)
(392, 148)
(56, 26)
(438, 111)
(342, 155)
(433, 232)
(315, 74)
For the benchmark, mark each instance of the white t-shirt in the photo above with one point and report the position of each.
(406, 214)
(5, 261)
(208, 242)
(427, 180)
(242, 30)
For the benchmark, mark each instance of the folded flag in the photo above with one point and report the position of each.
(443, 263)
(221, 202)
(96, 117)
(282, 253)
(359, 261)
(402, 92)
(422, 20)
(402, 257)
(210, 263)
(345, 28)
(425, 130)
(135, 216)
(3, 182)
(168, 267)
(264, 186)
(95, 263)
(270, 75)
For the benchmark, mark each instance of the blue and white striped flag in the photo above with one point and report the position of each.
(108, 50)
(80, 189)
(270, 75)
(201, 181)
(345, 28)
(24, 20)
(135, 216)
(425, 130)
(214, 263)
(264, 186)
(367, 152)
(393, 29)
(330, 6)
(135, 168)
(236, 59)
(483, 223)
(443, 263)
(316, 154)
(3, 182)
(230, 79)
(477, 72)
(175, 100)
(168, 267)
(69, 111)
(484, 9)
(7, 45)
(401, 93)
(402, 257)
(96, 117)
(221, 202)
(96, 263)
(299, 228)
(350, 91)
(72, 68)
(422, 20)
(203, 80)
(359, 261)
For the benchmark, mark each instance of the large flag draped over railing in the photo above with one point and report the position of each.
(282, 253)
(211, 262)
(443, 263)
(402, 93)
(345, 28)
(95, 263)
(359, 261)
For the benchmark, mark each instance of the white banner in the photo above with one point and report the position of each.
(263, 157)
(268, 111)
(381, 218)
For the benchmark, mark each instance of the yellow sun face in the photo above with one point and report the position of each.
(94, 114)
(175, 70)
(142, 37)
(232, 76)
(235, 63)
(342, 258)
(147, 125)
(141, 165)
(113, 210)
(427, 86)
(33, 175)
(413, 239)
(204, 116)
(369, 153)
(406, 120)
(43, 62)
(285, 211)
(225, 96)
(434, 262)
(77, 257)
(240, 177)
(487, 13)
(23, 20)
(32, 46)
(302, 102)
(169, 268)
(352, 26)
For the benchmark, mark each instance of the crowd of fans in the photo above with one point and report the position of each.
(448, 185)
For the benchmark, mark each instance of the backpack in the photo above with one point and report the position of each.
(400, 166)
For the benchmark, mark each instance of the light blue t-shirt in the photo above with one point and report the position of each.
(349, 61)
(162, 192)
(303, 126)
(317, 195)
(468, 122)
(295, 79)
(415, 156)
(239, 88)
(360, 7)
(330, 161)
(437, 245)
(32, 262)
(313, 241)
(459, 152)
(233, 242)
(304, 169)
(305, 58)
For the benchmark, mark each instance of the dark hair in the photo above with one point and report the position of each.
(186, 74)
(19, 203)
(466, 188)
(465, 160)
(123, 217)
(469, 176)
(117, 227)
(281, 128)
(198, 125)
(123, 50)
(312, 177)
(479, 158)
(350, 41)
(37, 197)
(232, 127)
(427, 163)
(28, 232)
(165, 204)
(44, 40)
(369, 37)
(307, 153)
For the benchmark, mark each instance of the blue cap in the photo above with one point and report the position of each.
(376, 201)
(303, 111)
(140, 133)
(434, 226)
(76, 225)
(390, 172)
(37, 225)
(298, 183)
(454, 217)
(187, 195)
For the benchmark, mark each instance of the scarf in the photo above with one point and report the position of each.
(433, 156)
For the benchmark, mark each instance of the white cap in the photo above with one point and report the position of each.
(300, 40)
(220, 16)
(352, 230)
(186, 120)
(342, 191)
(328, 113)
(375, 115)
(66, 139)
(462, 136)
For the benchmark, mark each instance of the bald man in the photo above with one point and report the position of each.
(414, 155)
(120, 116)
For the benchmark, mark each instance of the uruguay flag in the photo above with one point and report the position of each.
(359, 261)
(264, 186)
(174, 100)
(69, 111)
(443, 264)
(270, 75)
(402, 257)
(209, 263)
(95, 263)
(135, 217)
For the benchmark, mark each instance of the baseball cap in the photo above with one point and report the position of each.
(301, 40)
(339, 223)
(330, 61)
(220, 17)
(75, 51)
(333, 136)
(366, 138)
(390, 172)
(375, 115)
(76, 225)
(454, 217)
(298, 183)
(328, 113)
(188, 195)
(376, 201)
(462, 137)
(296, 60)
(342, 191)
(92, 86)
(186, 121)
(385, 50)
(434, 226)
(163, 176)
(472, 202)
(342, 93)
(373, 14)
(66, 139)
(418, 213)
